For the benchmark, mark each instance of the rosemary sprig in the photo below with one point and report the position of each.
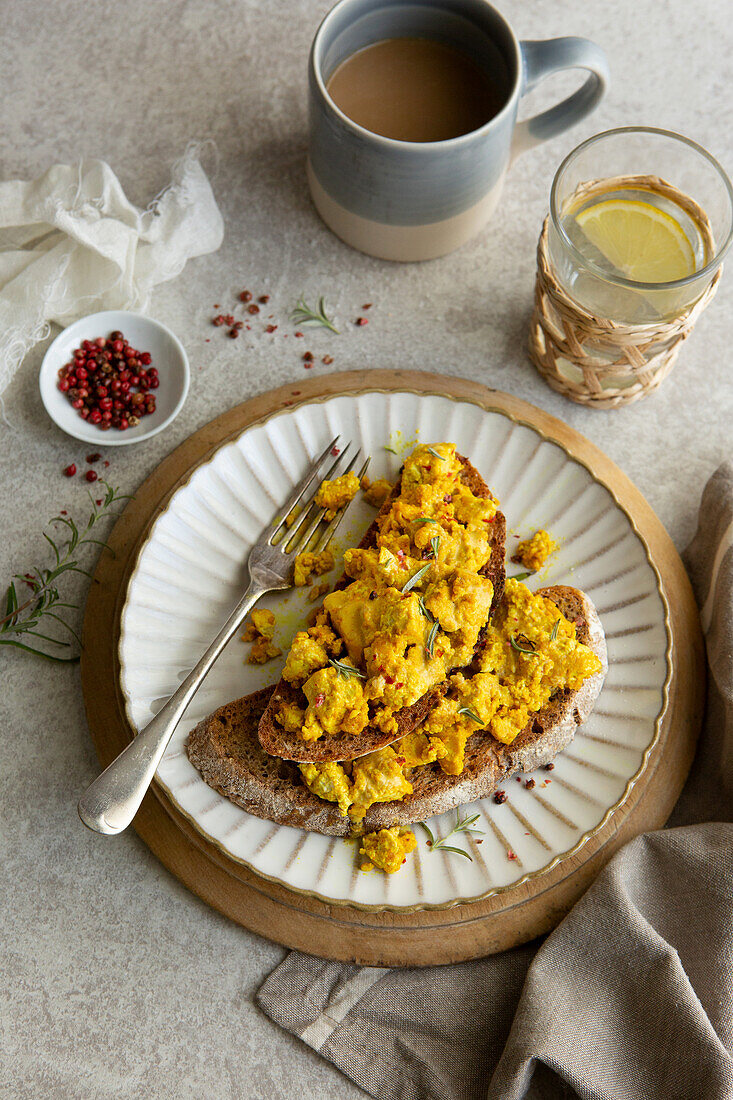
(423, 609)
(436, 453)
(345, 670)
(423, 519)
(22, 620)
(520, 649)
(461, 826)
(435, 545)
(415, 578)
(520, 576)
(391, 450)
(554, 630)
(304, 315)
(432, 634)
(470, 714)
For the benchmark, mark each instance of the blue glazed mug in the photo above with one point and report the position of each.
(402, 200)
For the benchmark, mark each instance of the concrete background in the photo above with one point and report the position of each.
(116, 982)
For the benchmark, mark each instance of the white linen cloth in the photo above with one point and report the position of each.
(72, 243)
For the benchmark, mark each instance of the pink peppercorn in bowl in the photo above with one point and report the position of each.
(134, 384)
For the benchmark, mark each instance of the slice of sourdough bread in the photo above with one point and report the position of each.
(278, 742)
(227, 753)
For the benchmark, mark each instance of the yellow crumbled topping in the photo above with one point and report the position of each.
(261, 623)
(317, 591)
(415, 605)
(531, 652)
(333, 495)
(376, 492)
(307, 564)
(388, 849)
(532, 553)
(260, 630)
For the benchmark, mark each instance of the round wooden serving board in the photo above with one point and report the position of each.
(342, 932)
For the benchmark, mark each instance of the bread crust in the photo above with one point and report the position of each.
(278, 742)
(225, 749)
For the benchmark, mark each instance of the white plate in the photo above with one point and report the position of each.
(189, 574)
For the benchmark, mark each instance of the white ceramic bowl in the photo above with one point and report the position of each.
(168, 355)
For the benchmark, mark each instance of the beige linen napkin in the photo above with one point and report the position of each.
(630, 998)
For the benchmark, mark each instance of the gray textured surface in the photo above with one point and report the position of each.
(116, 981)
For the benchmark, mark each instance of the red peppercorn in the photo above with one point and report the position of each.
(77, 403)
(264, 299)
(253, 308)
(91, 475)
(308, 356)
(63, 385)
(360, 321)
(245, 296)
(270, 328)
(327, 359)
(91, 459)
(70, 470)
(145, 359)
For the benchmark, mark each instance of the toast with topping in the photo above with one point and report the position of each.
(289, 698)
(226, 751)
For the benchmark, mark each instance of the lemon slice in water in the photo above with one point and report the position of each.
(640, 241)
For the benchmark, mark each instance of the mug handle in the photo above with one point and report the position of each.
(552, 55)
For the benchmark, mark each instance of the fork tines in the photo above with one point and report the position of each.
(310, 519)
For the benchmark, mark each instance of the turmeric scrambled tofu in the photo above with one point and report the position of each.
(260, 630)
(388, 849)
(414, 608)
(308, 564)
(333, 495)
(375, 492)
(533, 552)
(531, 652)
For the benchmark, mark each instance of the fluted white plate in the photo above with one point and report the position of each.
(190, 572)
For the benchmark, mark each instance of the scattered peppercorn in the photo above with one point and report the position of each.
(360, 321)
(270, 328)
(245, 296)
(308, 356)
(499, 797)
(367, 305)
(91, 475)
(548, 767)
(327, 359)
(253, 308)
(529, 784)
(91, 459)
(264, 299)
(70, 470)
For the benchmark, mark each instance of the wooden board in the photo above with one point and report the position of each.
(342, 932)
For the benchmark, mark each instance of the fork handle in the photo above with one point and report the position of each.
(110, 803)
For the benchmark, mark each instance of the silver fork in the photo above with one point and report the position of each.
(112, 800)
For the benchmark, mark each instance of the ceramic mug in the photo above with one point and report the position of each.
(402, 200)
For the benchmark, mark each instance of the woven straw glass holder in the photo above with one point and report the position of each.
(563, 329)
